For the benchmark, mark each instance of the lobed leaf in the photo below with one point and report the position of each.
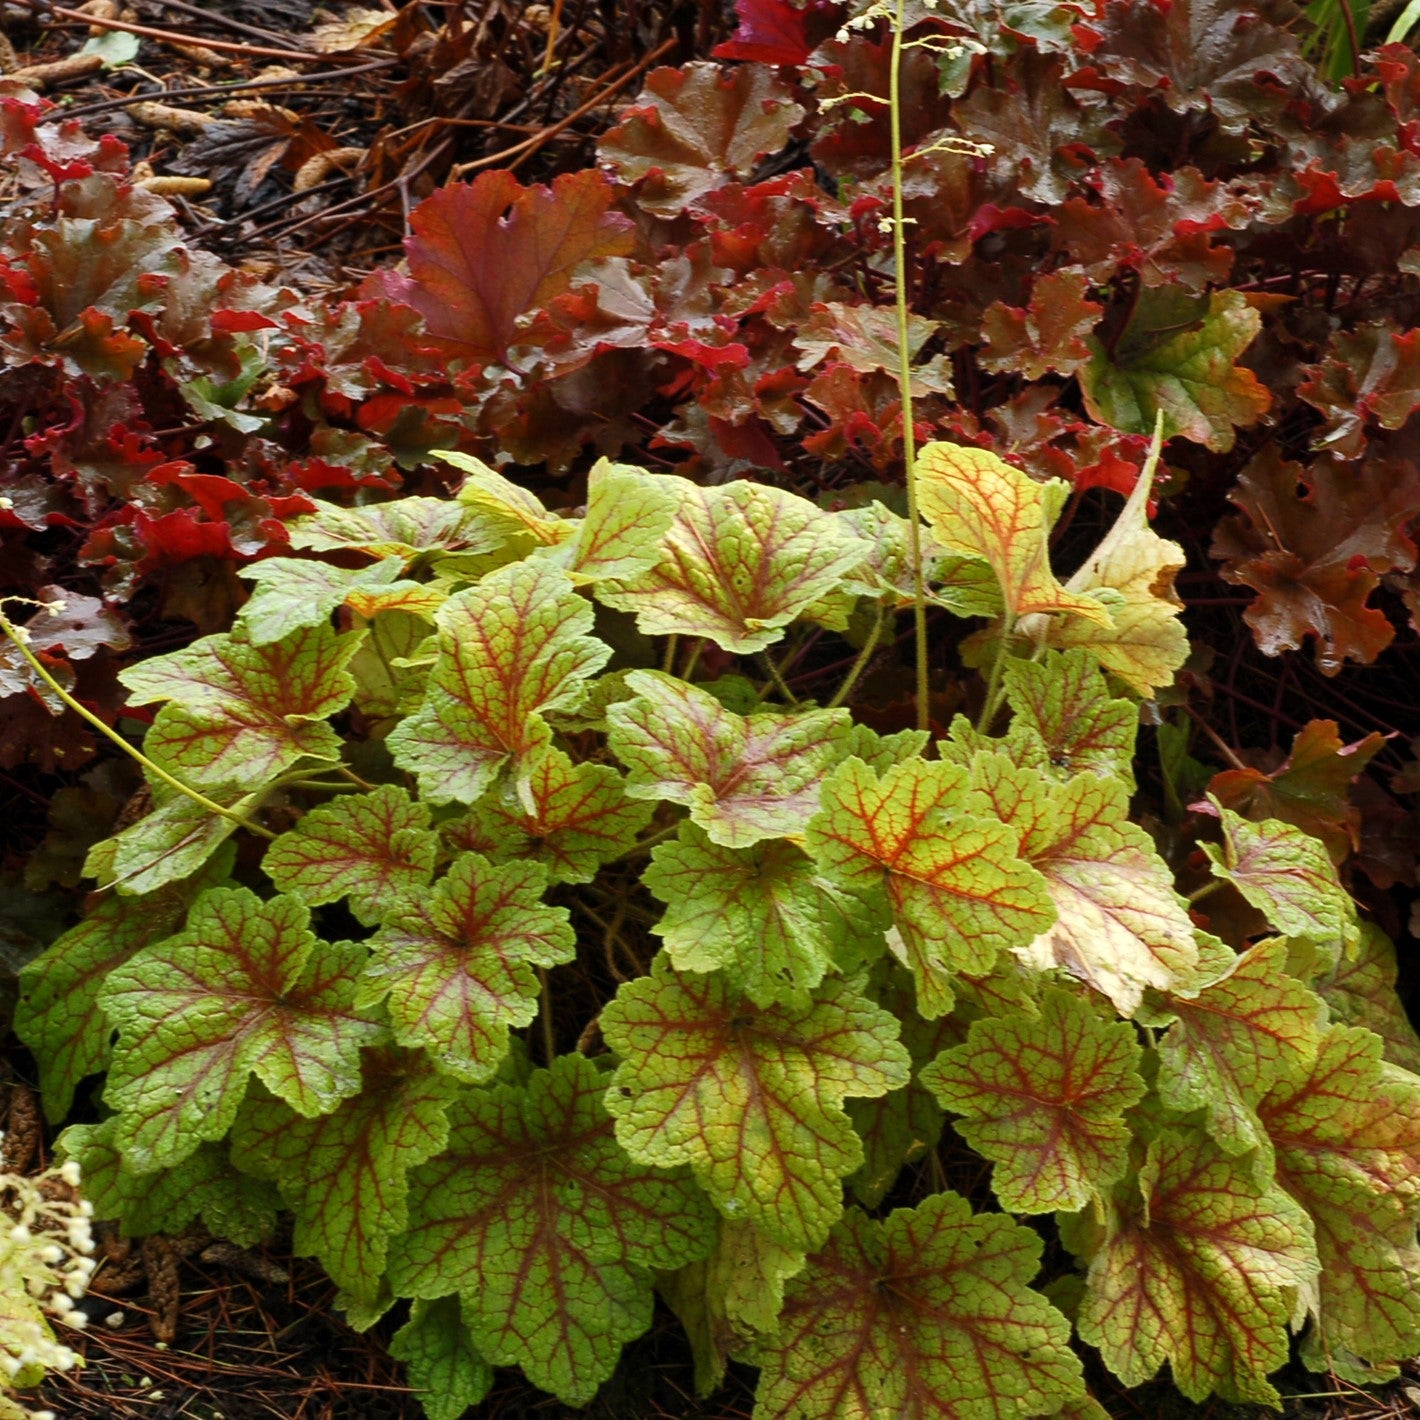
(1119, 923)
(1198, 1267)
(510, 650)
(958, 890)
(1189, 375)
(1236, 1039)
(763, 915)
(739, 563)
(344, 1174)
(444, 1368)
(751, 1098)
(743, 777)
(1288, 877)
(241, 990)
(455, 962)
(1347, 1141)
(926, 1314)
(232, 1205)
(1044, 1095)
(240, 713)
(580, 819)
(536, 1218)
(979, 506)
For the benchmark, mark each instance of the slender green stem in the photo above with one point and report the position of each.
(109, 733)
(645, 845)
(777, 677)
(992, 704)
(354, 779)
(861, 663)
(904, 365)
(549, 1034)
(693, 660)
(672, 645)
(1207, 890)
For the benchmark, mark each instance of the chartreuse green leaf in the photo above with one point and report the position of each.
(366, 847)
(504, 507)
(580, 819)
(904, 1124)
(343, 1174)
(245, 988)
(294, 592)
(764, 914)
(1199, 1267)
(169, 844)
(443, 1366)
(1347, 1140)
(1062, 703)
(629, 512)
(510, 649)
(738, 564)
(204, 1185)
(1119, 924)
(743, 777)
(978, 505)
(751, 1098)
(1234, 1040)
(1132, 572)
(239, 713)
(1361, 992)
(545, 1229)
(928, 1314)
(958, 889)
(404, 528)
(1044, 1095)
(1289, 877)
(727, 1298)
(57, 1014)
(1181, 362)
(457, 961)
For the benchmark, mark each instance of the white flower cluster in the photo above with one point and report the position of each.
(46, 1264)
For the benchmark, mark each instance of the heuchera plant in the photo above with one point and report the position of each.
(528, 894)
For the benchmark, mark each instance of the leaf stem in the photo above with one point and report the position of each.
(777, 677)
(10, 630)
(860, 664)
(1207, 890)
(549, 1037)
(644, 845)
(992, 704)
(904, 364)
